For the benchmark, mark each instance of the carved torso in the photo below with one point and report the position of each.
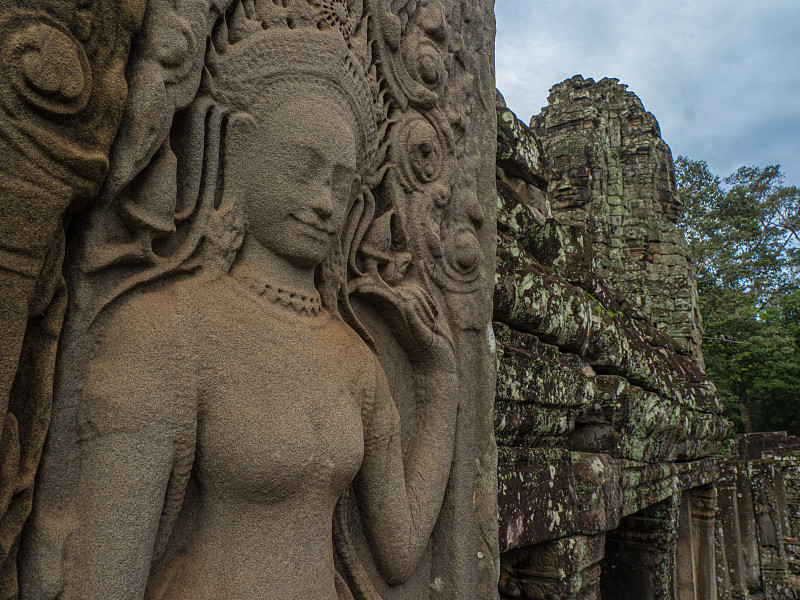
(203, 435)
(279, 436)
(281, 402)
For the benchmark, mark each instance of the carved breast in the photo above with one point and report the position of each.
(281, 416)
(279, 439)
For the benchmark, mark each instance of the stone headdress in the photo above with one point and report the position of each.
(162, 195)
(305, 53)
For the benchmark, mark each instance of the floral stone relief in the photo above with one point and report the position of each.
(273, 377)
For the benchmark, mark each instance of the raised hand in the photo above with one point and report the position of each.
(413, 317)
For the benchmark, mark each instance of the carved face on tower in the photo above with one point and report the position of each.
(293, 168)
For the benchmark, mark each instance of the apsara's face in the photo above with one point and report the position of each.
(303, 161)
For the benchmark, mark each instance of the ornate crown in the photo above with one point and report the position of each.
(301, 45)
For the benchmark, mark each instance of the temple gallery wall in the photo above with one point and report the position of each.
(618, 476)
(292, 306)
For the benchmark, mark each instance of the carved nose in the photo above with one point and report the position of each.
(322, 202)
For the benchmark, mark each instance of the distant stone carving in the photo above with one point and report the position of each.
(278, 306)
(612, 176)
(758, 517)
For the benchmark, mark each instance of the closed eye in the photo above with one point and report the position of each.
(309, 164)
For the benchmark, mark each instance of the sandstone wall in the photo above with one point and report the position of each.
(311, 184)
(759, 499)
(606, 424)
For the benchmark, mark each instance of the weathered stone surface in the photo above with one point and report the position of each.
(62, 92)
(605, 419)
(565, 568)
(612, 173)
(275, 375)
(640, 554)
(629, 422)
(530, 297)
(546, 494)
(757, 509)
(539, 390)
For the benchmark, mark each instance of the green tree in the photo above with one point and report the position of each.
(743, 238)
(770, 366)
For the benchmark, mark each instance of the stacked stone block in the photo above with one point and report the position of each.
(758, 507)
(605, 420)
(612, 173)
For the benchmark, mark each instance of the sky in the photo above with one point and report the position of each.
(722, 77)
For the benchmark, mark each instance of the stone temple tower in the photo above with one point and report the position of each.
(612, 176)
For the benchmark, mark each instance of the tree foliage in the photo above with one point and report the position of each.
(743, 235)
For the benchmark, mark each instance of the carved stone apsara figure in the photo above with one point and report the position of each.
(215, 402)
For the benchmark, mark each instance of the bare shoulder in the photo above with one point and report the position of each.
(142, 370)
(353, 345)
(166, 307)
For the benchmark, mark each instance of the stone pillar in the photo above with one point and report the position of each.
(640, 555)
(685, 561)
(791, 482)
(764, 480)
(747, 529)
(729, 531)
(703, 506)
(721, 563)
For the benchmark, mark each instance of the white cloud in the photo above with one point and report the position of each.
(721, 76)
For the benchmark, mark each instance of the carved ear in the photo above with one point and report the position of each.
(238, 131)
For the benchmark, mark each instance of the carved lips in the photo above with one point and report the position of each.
(317, 228)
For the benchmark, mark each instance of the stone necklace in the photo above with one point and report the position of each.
(300, 302)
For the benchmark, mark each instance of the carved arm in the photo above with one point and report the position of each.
(400, 496)
(134, 408)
